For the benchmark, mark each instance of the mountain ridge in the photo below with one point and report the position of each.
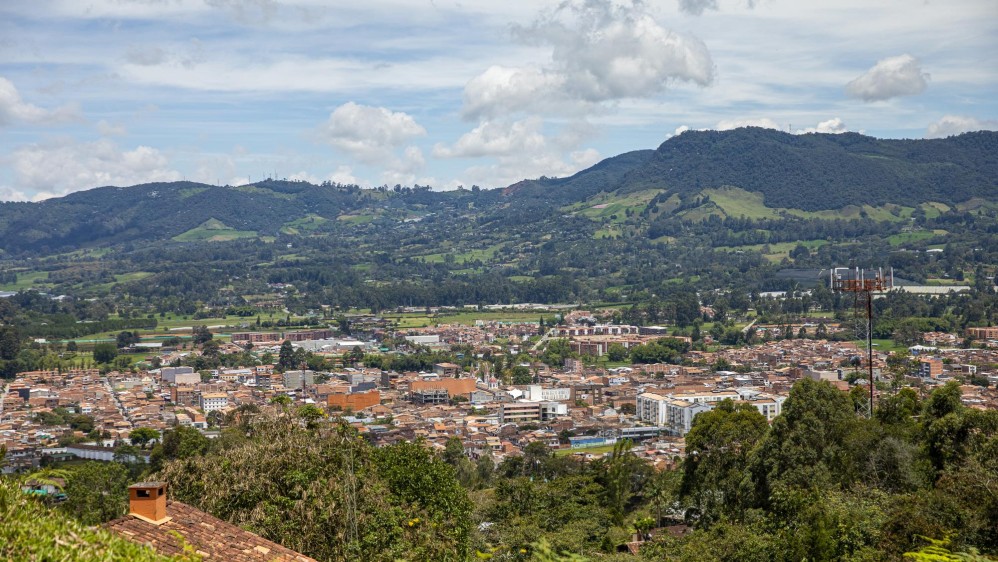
(809, 172)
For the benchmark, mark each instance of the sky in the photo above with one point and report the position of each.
(452, 93)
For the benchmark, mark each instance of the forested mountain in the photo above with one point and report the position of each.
(809, 172)
(706, 211)
(825, 171)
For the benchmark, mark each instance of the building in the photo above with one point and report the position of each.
(930, 367)
(307, 335)
(355, 402)
(429, 396)
(211, 401)
(172, 527)
(520, 412)
(537, 393)
(447, 369)
(298, 379)
(453, 387)
(185, 395)
(650, 408)
(989, 333)
(242, 338)
(179, 375)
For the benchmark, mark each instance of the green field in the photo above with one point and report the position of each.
(484, 255)
(26, 280)
(309, 223)
(133, 276)
(909, 237)
(213, 230)
(264, 191)
(416, 320)
(736, 202)
(356, 219)
(777, 251)
(613, 207)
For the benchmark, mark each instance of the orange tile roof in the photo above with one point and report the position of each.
(211, 537)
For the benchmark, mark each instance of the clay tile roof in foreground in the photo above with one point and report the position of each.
(211, 538)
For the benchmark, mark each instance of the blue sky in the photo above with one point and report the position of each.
(447, 93)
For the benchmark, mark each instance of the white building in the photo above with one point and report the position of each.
(211, 401)
(676, 411)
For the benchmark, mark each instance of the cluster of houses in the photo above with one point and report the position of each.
(571, 406)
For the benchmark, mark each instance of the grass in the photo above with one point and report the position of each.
(356, 219)
(609, 232)
(909, 237)
(133, 276)
(308, 223)
(777, 251)
(881, 345)
(736, 202)
(190, 191)
(417, 320)
(264, 191)
(614, 207)
(26, 280)
(213, 230)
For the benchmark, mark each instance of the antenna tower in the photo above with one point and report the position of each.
(863, 282)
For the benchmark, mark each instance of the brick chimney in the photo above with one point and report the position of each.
(147, 501)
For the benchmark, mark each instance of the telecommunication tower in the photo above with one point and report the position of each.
(863, 282)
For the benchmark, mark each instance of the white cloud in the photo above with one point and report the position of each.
(890, 78)
(601, 51)
(496, 138)
(729, 124)
(63, 166)
(834, 126)
(344, 174)
(15, 110)
(697, 7)
(246, 11)
(500, 90)
(107, 129)
(521, 150)
(145, 55)
(367, 133)
(955, 124)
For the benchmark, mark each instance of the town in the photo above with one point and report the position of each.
(568, 385)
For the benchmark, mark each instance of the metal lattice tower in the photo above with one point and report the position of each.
(862, 282)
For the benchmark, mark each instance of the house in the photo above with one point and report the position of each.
(167, 526)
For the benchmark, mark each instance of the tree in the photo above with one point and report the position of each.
(127, 339)
(806, 444)
(521, 375)
(210, 348)
(201, 334)
(181, 442)
(616, 352)
(105, 352)
(215, 418)
(718, 447)
(453, 451)
(331, 496)
(97, 492)
(10, 343)
(286, 357)
(142, 436)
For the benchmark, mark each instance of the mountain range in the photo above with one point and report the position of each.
(752, 172)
